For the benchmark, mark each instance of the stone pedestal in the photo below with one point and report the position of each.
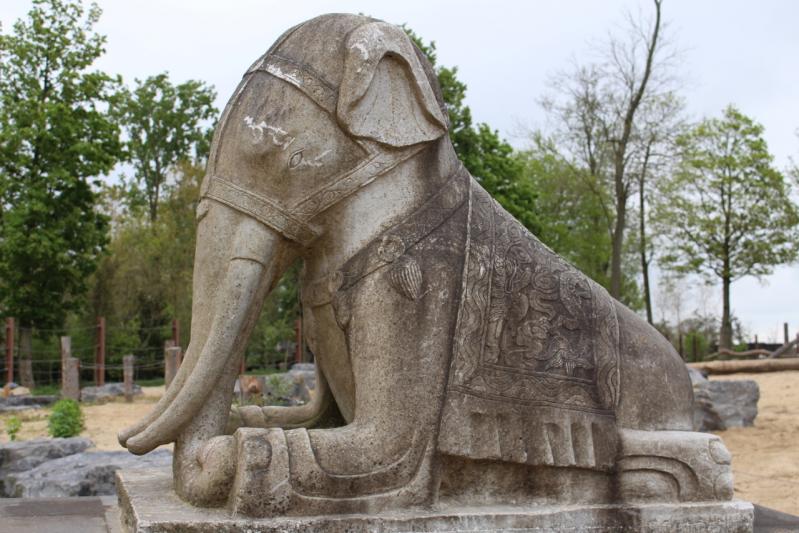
(149, 505)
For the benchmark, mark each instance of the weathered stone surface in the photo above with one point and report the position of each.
(719, 405)
(19, 403)
(149, 505)
(696, 375)
(106, 392)
(25, 455)
(81, 474)
(460, 360)
(308, 373)
(70, 379)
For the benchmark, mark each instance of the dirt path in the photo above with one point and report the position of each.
(102, 421)
(765, 458)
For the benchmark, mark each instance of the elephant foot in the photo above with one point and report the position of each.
(261, 486)
(203, 470)
(673, 466)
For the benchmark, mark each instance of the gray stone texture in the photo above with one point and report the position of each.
(460, 362)
(106, 392)
(22, 456)
(723, 404)
(148, 505)
(88, 473)
(70, 380)
(20, 403)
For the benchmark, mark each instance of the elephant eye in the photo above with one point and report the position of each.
(296, 159)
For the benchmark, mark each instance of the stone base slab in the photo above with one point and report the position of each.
(149, 505)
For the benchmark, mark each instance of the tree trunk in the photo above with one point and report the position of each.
(725, 337)
(25, 361)
(747, 366)
(642, 245)
(617, 246)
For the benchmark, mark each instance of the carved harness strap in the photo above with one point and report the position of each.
(294, 221)
(395, 242)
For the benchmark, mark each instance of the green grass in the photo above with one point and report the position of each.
(155, 382)
(46, 390)
(263, 371)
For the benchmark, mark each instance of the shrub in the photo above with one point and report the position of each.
(13, 426)
(66, 420)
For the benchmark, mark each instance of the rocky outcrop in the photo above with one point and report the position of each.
(20, 403)
(23, 456)
(80, 474)
(106, 392)
(719, 405)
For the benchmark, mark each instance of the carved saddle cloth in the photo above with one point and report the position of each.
(534, 372)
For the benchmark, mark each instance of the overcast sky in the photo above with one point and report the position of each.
(735, 51)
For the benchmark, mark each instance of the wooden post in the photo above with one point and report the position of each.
(785, 332)
(176, 332)
(99, 360)
(298, 336)
(127, 376)
(70, 379)
(171, 354)
(757, 344)
(9, 350)
(682, 352)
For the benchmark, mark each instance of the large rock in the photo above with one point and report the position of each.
(105, 392)
(307, 371)
(719, 405)
(20, 403)
(26, 455)
(81, 474)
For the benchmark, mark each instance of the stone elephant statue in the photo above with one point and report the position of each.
(458, 358)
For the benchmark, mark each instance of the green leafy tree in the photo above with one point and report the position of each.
(55, 139)
(145, 279)
(727, 211)
(488, 157)
(571, 213)
(165, 124)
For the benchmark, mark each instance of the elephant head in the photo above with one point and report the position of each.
(311, 124)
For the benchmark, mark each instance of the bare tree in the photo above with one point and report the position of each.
(654, 155)
(598, 112)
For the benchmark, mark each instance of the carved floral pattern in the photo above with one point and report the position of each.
(531, 328)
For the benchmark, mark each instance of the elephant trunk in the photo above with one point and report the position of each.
(249, 258)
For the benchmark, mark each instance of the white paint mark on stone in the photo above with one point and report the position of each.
(279, 137)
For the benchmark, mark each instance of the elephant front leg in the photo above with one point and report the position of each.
(385, 458)
(204, 460)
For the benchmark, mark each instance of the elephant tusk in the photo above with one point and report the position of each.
(245, 284)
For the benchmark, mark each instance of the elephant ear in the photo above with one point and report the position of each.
(385, 95)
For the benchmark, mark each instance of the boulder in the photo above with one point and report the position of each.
(20, 403)
(106, 392)
(719, 405)
(696, 375)
(308, 373)
(81, 474)
(25, 455)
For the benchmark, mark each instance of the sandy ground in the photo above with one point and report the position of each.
(765, 457)
(102, 421)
